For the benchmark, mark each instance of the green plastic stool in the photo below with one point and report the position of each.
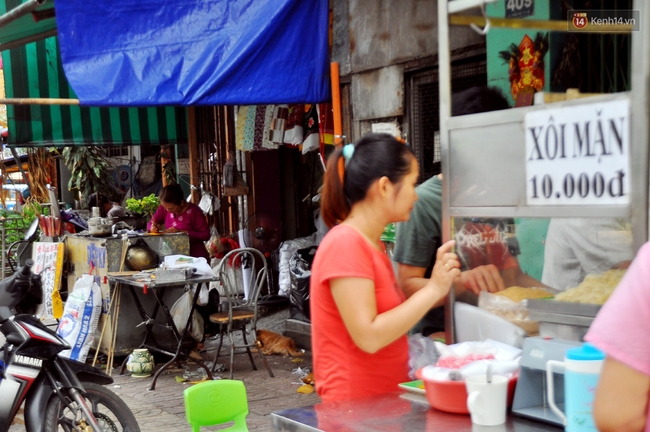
(216, 402)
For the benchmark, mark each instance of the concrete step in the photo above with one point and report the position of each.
(300, 332)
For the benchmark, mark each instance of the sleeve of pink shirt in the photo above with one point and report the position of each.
(622, 327)
(345, 254)
(158, 217)
(200, 229)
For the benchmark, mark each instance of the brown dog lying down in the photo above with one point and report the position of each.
(274, 343)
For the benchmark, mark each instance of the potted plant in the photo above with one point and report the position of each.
(142, 210)
(90, 171)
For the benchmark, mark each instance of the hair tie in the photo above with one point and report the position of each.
(348, 151)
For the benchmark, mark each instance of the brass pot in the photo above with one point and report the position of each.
(140, 256)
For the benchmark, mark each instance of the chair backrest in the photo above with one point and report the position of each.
(216, 402)
(252, 265)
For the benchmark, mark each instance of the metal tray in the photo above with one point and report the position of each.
(174, 275)
(560, 307)
(563, 320)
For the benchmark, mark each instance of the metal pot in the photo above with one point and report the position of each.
(100, 227)
(140, 256)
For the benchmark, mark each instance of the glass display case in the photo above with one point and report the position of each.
(552, 195)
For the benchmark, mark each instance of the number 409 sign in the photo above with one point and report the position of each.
(579, 155)
(519, 8)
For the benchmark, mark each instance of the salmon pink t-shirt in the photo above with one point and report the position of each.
(342, 371)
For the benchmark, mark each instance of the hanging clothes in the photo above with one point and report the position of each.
(325, 124)
(312, 131)
(293, 131)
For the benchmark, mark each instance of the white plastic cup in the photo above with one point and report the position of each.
(487, 402)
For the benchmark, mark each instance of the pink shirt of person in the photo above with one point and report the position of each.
(191, 221)
(342, 371)
(622, 327)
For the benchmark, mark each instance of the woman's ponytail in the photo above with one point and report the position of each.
(334, 205)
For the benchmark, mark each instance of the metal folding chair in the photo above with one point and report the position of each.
(242, 310)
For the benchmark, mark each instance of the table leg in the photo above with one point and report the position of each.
(180, 337)
(149, 337)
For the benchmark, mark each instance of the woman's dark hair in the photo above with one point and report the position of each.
(173, 194)
(477, 100)
(375, 155)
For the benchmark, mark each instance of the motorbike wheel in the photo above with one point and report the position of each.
(112, 414)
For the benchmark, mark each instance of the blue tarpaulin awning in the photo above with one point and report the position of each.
(35, 71)
(195, 52)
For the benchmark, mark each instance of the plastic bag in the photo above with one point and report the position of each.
(300, 269)
(204, 295)
(287, 249)
(514, 312)
(229, 172)
(214, 245)
(80, 317)
(422, 352)
(181, 310)
(461, 360)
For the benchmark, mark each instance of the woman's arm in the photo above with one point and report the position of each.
(200, 229)
(370, 331)
(621, 402)
(158, 218)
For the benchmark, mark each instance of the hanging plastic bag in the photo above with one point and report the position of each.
(204, 295)
(206, 202)
(229, 171)
(422, 352)
(181, 311)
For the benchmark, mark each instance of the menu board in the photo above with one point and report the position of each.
(48, 262)
(579, 155)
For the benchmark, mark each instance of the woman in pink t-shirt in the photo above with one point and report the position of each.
(359, 314)
(178, 215)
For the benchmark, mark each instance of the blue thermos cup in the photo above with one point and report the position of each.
(582, 366)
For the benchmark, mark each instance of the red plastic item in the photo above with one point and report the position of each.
(451, 396)
(144, 289)
(454, 362)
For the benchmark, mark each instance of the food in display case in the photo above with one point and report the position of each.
(517, 294)
(594, 289)
(511, 305)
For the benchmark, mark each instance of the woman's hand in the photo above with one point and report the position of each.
(445, 270)
(174, 230)
(154, 227)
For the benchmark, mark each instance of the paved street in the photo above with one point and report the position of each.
(163, 409)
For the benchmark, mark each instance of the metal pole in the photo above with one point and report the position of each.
(444, 82)
(639, 129)
(19, 11)
(29, 39)
(38, 101)
(552, 25)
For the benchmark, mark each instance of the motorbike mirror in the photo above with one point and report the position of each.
(30, 234)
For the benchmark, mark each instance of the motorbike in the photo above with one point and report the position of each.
(58, 393)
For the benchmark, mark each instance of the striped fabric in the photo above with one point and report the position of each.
(34, 71)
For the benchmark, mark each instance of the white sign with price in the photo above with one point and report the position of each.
(579, 155)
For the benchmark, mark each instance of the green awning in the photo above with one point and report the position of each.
(30, 27)
(35, 71)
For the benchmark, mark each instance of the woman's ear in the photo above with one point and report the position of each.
(383, 186)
